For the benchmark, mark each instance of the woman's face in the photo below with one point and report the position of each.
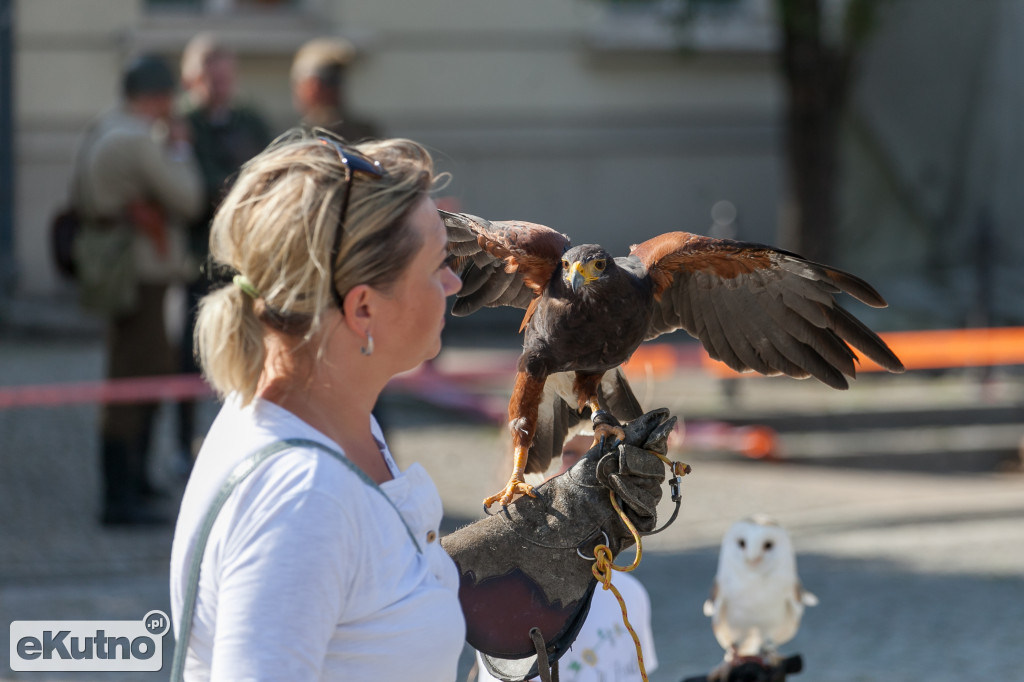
(413, 312)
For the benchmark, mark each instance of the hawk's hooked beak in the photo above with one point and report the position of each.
(581, 274)
(577, 278)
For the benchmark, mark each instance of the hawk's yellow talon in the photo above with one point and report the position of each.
(606, 430)
(514, 487)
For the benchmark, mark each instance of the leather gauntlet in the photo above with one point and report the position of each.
(530, 565)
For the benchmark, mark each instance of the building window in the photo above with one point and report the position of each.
(701, 25)
(223, 6)
(260, 27)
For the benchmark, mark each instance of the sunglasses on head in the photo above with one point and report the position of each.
(354, 162)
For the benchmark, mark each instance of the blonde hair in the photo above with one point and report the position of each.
(198, 53)
(323, 59)
(276, 227)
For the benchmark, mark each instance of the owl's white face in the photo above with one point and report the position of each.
(757, 545)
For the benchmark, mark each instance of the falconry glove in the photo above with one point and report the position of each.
(635, 477)
(528, 568)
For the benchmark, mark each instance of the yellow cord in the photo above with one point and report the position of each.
(602, 569)
(677, 468)
(604, 561)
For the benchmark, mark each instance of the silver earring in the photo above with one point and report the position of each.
(368, 348)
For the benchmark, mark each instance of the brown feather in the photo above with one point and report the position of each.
(534, 251)
(529, 313)
(667, 253)
(755, 307)
(527, 392)
(507, 262)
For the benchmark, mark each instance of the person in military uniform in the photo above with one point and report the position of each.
(225, 134)
(318, 89)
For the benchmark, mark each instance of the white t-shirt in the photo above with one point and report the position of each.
(309, 573)
(604, 650)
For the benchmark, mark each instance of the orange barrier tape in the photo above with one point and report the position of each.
(134, 390)
(938, 349)
(663, 358)
(433, 386)
(918, 350)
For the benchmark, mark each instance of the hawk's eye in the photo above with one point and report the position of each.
(599, 264)
(565, 264)
(743, 543)
(768, 544)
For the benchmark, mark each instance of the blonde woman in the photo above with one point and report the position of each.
(323, 563)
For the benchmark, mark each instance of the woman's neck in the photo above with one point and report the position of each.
(335, 398)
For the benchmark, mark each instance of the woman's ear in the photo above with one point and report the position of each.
(358, 309)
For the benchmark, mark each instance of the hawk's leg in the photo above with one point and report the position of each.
(522, 422)
(587, 388)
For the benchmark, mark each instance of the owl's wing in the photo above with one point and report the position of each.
(711, 603)
(717, 608)
(805, 597)
(796, 602)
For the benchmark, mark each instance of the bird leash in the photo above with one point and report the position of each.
(604, 564)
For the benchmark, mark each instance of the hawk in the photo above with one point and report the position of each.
(752, 306)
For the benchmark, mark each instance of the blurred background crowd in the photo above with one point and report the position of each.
(883, 136)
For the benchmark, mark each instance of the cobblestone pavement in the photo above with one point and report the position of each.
(912, 538)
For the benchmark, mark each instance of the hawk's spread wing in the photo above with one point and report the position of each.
(758, 308)
(501, 263)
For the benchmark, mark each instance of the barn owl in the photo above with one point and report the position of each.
(756, 600)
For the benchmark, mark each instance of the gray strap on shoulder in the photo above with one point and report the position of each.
(238, 474)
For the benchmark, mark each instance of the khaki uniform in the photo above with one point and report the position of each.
(127, 159)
